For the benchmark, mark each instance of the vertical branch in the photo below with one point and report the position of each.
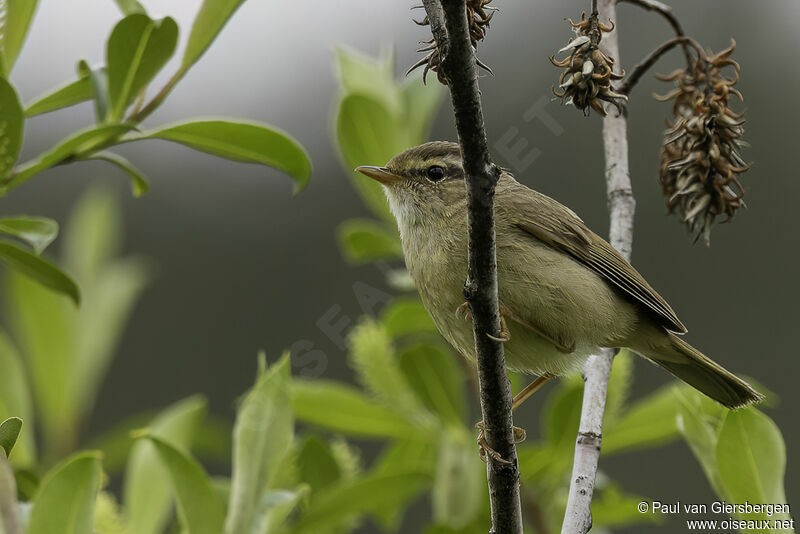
(621, 205)
(450, 29)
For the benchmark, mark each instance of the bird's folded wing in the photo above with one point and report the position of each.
(566, 232)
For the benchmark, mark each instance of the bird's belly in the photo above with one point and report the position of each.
(561, 298)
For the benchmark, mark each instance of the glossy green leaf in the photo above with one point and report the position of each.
(211, 18)
(38, 232)
(146, 492)
(78, 145)
(372, 357)
(460, 482)
(17, 15)
(263, 436)
(139, 184)
(436, 377)
(364, 240)
(648, 422)
(9, 523)
(66, 498)
(241, 141)
(40, 270)
(200, 508)
(115, 443)
(136, 50)
(65, 96)
(360, 496)
(368, 134)
(562, 414)
(751, 458)
(11, 128)
(9, 431)
(129, 7)
(406, 315)
(15, 400)
(344, 409)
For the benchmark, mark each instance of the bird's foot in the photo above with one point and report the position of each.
(486, 452)
(465, 311)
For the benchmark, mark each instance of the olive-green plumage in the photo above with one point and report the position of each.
(563, 290)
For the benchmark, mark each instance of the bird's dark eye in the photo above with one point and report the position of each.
(435, 173)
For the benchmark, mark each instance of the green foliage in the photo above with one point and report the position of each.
(211, 18)
(68, 95)
(742, 452)
(11, 127)
(241, 141)
(66, 498)
(364, 240)
(66, 349)
(37, 232)
(137, 49)
(17, 15)
(9, 432)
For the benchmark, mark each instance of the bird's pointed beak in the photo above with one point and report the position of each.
(380, 174)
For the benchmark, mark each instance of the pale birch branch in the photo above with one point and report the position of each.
(621, 205)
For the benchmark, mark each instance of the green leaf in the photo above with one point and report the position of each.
(421, 103)
(65, 96)
(372, 357)
(98, 80)
(11, 127)
(139, 184)
(369, 494)
(436, 377)
(66, 498)
(562, 415)
(9, 431)
(699, 420)
(78, 145)
(200, 508)
(368, 134)
(38, 232)
(360, 74)
(211, 18)
(275, 507)
(9, 523)
(241, 141)
(129, 7)
(619, 385)
(611, 508)
(751, 458)
(406, 315)
(115, 443)
(17, 17)
(15, 400)
(317, 464)
(345, 409)
(136, 50)
(364, 240)
(459, 484)
(263, 435)
(40, 270)
(146, 492)
(649, 422)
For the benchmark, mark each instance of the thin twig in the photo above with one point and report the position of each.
(665, 11)
(638, 71)
(458, 64)
(621, 204)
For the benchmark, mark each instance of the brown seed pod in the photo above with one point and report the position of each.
(586, 80)
(479, 13)
(700, 158)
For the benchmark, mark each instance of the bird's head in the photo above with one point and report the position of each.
(423, 182)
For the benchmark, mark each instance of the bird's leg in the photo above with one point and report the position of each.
(505, 333)
(484, 449)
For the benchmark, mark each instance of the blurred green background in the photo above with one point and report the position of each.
(240, 265)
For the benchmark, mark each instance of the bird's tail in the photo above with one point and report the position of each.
(702, 373)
